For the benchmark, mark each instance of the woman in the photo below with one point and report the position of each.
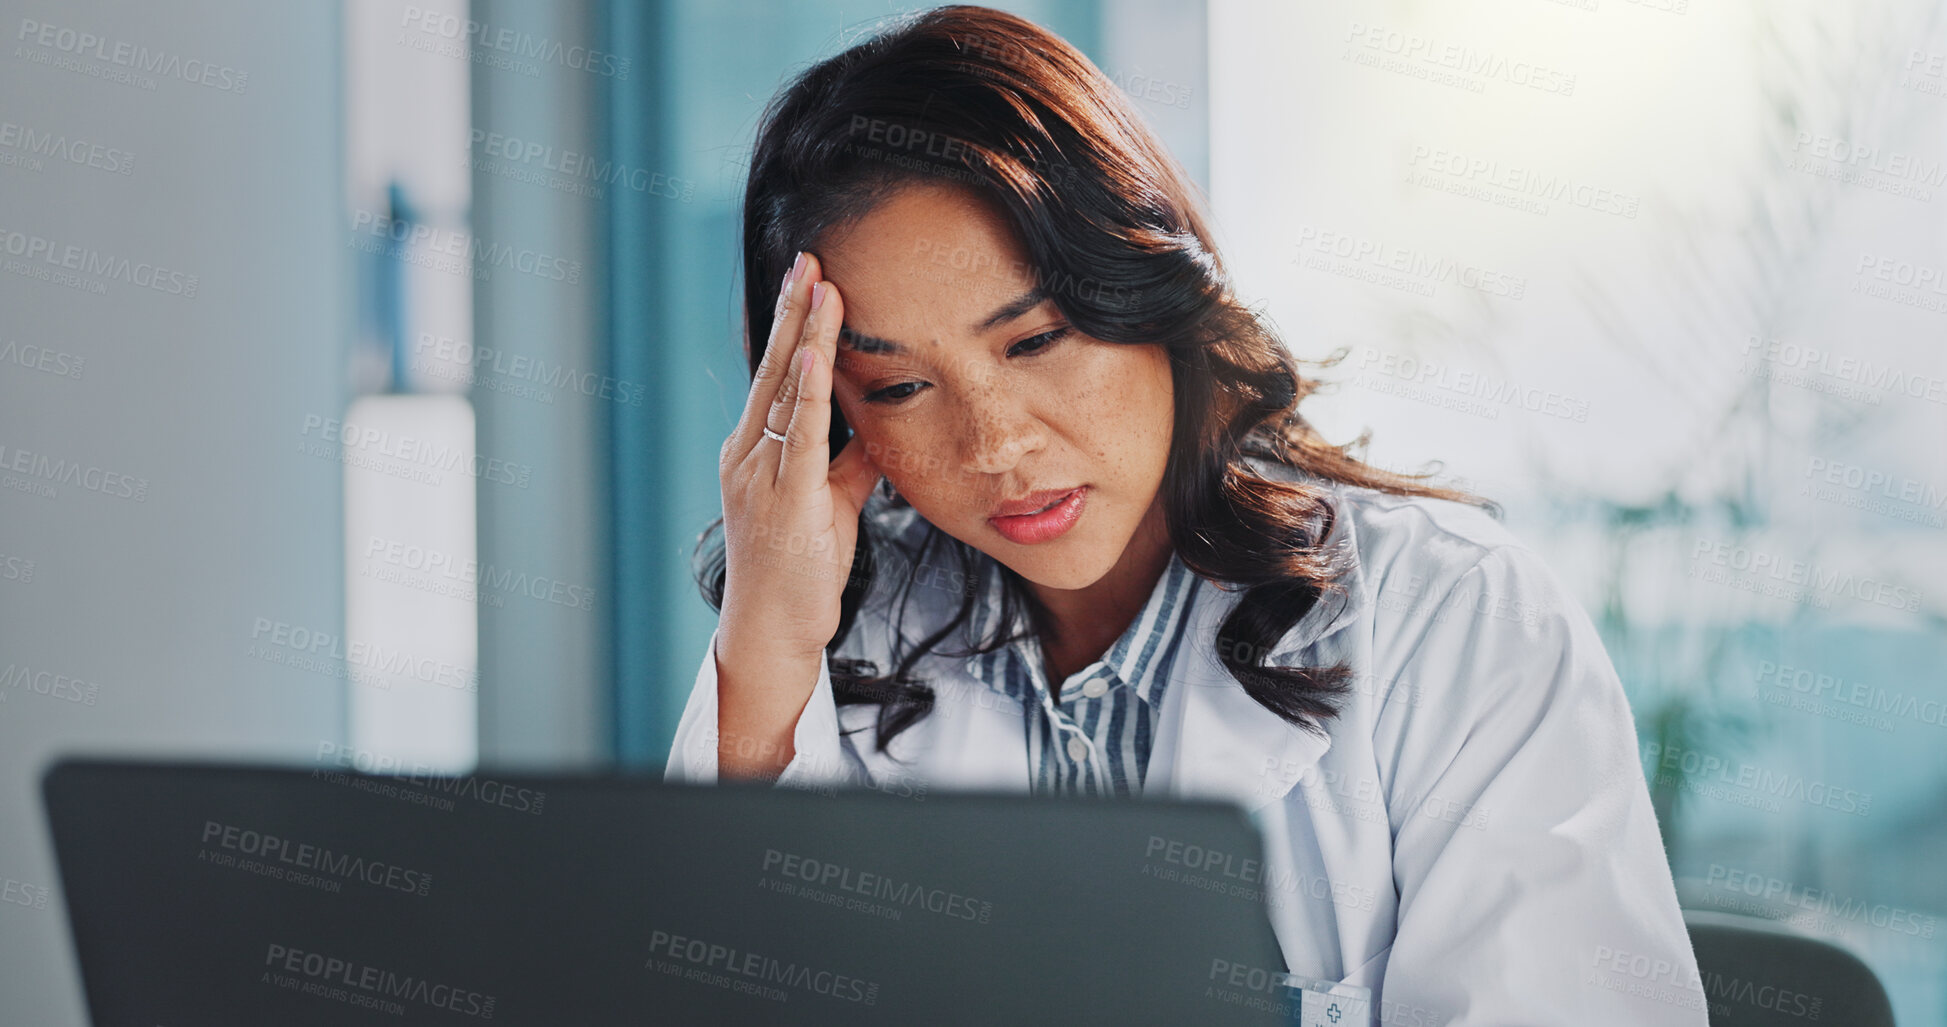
(1115, 559)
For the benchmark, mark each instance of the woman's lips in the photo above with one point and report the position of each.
(1028, 529)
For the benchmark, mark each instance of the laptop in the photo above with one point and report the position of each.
(203, 894)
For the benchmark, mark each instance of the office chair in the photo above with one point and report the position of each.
(1759, 973)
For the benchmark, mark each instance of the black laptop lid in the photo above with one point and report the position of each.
(204, 894)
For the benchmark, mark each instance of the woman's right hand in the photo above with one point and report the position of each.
(791, 516)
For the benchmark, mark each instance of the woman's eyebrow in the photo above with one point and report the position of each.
(860, 342)
(1013, 308)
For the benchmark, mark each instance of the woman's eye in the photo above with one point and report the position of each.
(893, 394)
(1037, 343)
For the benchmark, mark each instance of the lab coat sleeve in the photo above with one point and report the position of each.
(1533, 886)
(823, 758)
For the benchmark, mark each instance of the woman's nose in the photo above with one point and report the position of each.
(997, 433)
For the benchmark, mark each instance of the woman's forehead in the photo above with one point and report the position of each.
(907, 307)
(929, 229)
(928, 266)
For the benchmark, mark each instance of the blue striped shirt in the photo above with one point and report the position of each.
(1092, 737)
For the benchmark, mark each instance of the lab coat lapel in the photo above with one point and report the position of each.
(1225, 745)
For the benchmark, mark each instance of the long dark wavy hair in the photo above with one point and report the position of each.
(1114, 232)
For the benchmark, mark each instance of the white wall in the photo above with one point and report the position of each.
(154, 601)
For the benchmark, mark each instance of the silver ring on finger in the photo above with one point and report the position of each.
(769, 434)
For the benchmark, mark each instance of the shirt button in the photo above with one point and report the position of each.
(1077, 749)
(1095, 688)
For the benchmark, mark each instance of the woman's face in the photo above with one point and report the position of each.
(969, 389)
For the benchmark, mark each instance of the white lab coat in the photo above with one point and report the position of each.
(1473, 841)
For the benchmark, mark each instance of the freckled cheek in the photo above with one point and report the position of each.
(931, 474)
(920, 457)
(1112, 406)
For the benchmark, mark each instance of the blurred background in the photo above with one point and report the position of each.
(363, 368)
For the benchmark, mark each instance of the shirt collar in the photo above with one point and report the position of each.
(1138, 659)
(1141, 658)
